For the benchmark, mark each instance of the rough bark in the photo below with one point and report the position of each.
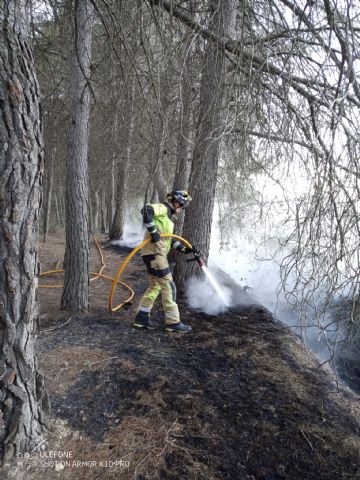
(57, 210)
(95, 211)
(23, 399)
(186, 128)
(156, 187)
(75, 296)
(102, 211)
(48, 193)
(203, 177)
(90, 227)
(111, 193)
(117, 227)
(159, 190)
(184, 146)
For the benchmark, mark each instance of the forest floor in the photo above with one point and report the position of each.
(239, 398)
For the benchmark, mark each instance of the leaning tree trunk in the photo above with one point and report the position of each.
(75, 296)
(23, 399)
(203, 177)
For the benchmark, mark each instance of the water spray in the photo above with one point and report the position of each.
(208, 275)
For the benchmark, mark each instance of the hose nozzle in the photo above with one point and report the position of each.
(197, 257)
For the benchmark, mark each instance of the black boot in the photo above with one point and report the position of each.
(142, 320)
(178, 328)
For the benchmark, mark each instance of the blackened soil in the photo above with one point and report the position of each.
(247, 399)
(239, 398)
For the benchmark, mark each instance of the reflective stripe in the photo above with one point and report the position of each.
(173, 288)
(150, 224)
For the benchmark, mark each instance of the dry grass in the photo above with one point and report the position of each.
(137, 446)
(63, 365)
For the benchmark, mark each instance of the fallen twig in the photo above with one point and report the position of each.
(308, 441)
(55, 328)
(37, 446)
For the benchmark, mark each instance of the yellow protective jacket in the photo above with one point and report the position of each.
(163, 224)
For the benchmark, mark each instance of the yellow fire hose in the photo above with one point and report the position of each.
(115, 280)
(127, 260)
(94, 275)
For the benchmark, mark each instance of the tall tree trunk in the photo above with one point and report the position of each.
(91, 221)
(114, 155)
(150, 196)
(186, 128)
(111, 193)
(23, 401)
(75, 296)
(117, 228)
(159, 159)
(186, 118)
(103, 210)
(185, 140)
(158, 150)
(157, 191)
(62, 204)
(48, 194)
(96, 211)
(203, 177)
(57, 211)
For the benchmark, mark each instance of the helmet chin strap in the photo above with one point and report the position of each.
(170, 205)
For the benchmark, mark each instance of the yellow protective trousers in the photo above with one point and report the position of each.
(160, 281)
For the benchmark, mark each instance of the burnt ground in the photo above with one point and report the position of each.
(239, 398)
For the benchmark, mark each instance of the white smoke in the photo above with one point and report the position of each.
(256, 270)
(133, 234)
(255, 266)
(201, 295)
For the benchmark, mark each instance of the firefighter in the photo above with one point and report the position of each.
(157, 220)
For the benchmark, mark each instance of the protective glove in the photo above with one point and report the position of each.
(148, 213)
(155, 237)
